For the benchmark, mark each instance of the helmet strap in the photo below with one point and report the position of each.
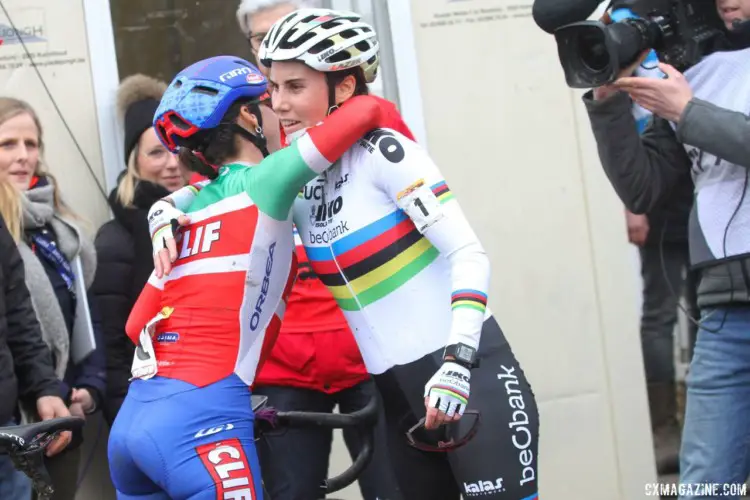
(332, 106)
(258, 139)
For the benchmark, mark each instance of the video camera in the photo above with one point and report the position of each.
(680, 31)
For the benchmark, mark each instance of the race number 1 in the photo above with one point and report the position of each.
(420, 204)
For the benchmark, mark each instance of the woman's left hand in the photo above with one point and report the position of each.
(77, 410)
(83, 398)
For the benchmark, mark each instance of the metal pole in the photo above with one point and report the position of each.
(387, 60)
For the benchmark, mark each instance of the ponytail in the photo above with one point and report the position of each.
(196, 164)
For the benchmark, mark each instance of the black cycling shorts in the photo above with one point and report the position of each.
(500, 462)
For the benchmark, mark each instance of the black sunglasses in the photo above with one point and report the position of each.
(445, 446)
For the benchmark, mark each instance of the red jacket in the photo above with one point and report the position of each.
(315, 348)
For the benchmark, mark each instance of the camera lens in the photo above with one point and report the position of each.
(593, 51)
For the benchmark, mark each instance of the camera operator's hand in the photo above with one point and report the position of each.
(637, 228)
(601, 93)
(666, 97)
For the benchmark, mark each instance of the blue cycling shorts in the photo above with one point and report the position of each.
(173, 440)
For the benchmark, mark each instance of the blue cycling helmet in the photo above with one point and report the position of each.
(199, 97)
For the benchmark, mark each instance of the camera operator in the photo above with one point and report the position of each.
(701, 128)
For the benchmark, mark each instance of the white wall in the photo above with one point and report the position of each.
(71, 89)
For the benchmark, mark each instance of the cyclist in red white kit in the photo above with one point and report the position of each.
(185, 430)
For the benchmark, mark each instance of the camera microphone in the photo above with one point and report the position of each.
(552, 14)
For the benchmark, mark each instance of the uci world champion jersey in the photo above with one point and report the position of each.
(228, 287)
(384, 233)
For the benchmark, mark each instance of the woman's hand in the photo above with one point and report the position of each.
(83, 398)
(446, 395)
(160, 218)
(49, 407)
(638, 228)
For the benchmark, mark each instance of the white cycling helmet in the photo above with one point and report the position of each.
(326, 40)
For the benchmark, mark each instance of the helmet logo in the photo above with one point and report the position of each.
(253, 77)
(326, 54)
(234, 73)
(347, 64)
(321, 19)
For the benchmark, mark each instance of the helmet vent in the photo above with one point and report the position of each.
(320, 47)
(200, 89)
(340, 56)
(178, 122)
(285, 44)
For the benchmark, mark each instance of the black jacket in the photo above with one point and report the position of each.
(668, 220)
(26, 368)
(124, 256)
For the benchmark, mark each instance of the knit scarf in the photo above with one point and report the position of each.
(39, 211)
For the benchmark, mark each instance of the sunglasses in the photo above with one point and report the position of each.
(445, 446)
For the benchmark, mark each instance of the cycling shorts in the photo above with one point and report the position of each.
(173, 440)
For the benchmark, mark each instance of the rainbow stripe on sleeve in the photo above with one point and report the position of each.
(471, 299)
(442, 192)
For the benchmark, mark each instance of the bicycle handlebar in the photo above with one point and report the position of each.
(367, 416)
(364, 420)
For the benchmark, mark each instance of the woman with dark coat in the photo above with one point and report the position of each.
(123, 244)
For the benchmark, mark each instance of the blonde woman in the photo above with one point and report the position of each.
(123, 245)
(59, 261)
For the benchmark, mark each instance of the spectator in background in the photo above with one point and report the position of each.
(257, 16)
(315, 363)
(123, 245)
(26, 369)
(54, 249)
(661, 237)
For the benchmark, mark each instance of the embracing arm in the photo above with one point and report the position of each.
(642, 169)
(277, 180)
(416, 185)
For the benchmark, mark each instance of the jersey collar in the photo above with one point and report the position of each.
(234, 166)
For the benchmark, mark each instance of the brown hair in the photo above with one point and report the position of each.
(334, 78)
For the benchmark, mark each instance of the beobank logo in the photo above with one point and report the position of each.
(227, 463)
